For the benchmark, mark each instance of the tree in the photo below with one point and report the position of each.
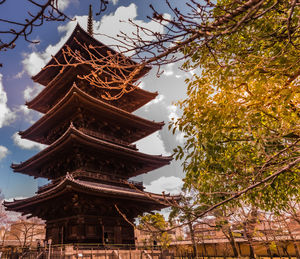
(3, 220)
(2, 210)
(249, 220)
(291, 214)
(47, 11)
(38, 12)
(241, 117)
(288, 227)
(185, 213)
(156, 226)
(26, 231)
(293, 210)
(16, 227)
(224, 222)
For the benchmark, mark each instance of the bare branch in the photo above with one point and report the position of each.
(47, 12)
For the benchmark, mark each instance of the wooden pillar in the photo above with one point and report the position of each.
(62, 234)
(102, 227)
(81, 228)
(239, 247)
(118, 234)
(101, 237)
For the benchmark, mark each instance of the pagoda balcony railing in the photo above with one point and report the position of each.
(103, 176)
(107, 138)
(91, 175)
(135, 182)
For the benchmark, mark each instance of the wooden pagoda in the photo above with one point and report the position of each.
(90, 156)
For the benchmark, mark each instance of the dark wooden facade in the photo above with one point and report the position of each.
(90, 157)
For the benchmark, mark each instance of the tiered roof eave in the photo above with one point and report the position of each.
(68, 184)
(78, 98)
(45, 76)
(31, 166)
(54, 77)
(41, 102)
(99, 189)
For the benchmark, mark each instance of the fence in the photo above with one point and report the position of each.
(175, 251)
(91, 251)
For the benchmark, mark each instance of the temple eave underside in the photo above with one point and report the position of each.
(75, 43)
(47, 98)
(88, 199)
(92, 115)
(75, 150)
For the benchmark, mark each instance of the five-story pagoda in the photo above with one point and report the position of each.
(90, 155)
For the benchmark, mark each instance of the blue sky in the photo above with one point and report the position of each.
(26, 59)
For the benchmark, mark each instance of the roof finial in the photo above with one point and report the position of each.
(90, 22)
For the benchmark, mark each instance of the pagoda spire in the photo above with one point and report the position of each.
(90, 21)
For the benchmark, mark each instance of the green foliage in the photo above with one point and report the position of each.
(241, 116)
(156, 226)
(156, 221)
(185, 212)
(273, 246)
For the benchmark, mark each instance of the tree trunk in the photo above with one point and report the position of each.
(293, 240)
(190, 225)
(233, 244)
(296, 250)
(269, 251)
(231, 240)
(248, 235)
(251, 251)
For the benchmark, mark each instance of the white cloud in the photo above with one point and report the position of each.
(172, 113)
(152, 145)
(24, 110)
(157, 100)
(169, 184)
(124, 14)
(192, 72)
(31, 91)
(26, 114)
(173, 116)
(19, 75)
(26, 144)
(6, 115)
(114, 1)
(180, 137)
(141, 85)
(168, 70)
(3, 152)
(63, 4)
(33, 62)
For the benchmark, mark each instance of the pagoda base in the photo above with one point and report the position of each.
(83, 212)
(90, 229)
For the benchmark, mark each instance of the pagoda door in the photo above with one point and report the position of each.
(118, 234)
(61, 234)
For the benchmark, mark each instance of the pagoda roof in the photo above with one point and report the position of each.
(68, 184)
(74, 137)
(66, 108)
(46, 75)
(62, 82)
